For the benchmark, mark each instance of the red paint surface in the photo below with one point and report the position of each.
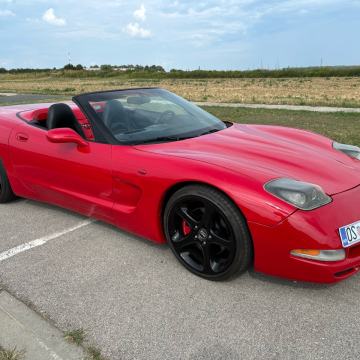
(127, 185)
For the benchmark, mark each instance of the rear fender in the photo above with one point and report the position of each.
(5, 133)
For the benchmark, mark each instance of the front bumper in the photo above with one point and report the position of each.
(316, 229)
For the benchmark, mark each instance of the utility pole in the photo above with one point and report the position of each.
(69, 58)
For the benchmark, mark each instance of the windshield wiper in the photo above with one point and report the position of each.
(209, 132)
(162, 139)
(175, 138)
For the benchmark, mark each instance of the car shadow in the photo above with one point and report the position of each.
(165, 248)
(289, 283)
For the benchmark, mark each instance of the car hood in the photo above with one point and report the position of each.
(268, 152)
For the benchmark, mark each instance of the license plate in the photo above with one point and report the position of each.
(350, 234)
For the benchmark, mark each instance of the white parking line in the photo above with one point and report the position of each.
(41, 241)
(8, 94)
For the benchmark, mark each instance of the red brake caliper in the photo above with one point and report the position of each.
(186, 228)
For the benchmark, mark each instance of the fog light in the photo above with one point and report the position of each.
(320, 255)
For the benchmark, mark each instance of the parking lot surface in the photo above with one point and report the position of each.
(136, 302)
(10, 99)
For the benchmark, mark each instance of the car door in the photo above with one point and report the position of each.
(77, 178)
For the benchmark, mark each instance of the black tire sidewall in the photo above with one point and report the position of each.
(243, 244)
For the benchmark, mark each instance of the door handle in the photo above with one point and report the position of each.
(22, 137)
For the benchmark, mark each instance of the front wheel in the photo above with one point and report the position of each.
(207, 233)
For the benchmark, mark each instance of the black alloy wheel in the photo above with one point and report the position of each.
(207, 232)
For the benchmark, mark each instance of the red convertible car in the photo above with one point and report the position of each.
(224, 196)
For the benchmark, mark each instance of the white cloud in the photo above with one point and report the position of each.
(210, 21)
(135, 30)
(50, 17)
(140, 13)
(5, 13)
(4, 63)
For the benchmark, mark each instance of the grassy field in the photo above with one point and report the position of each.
(332, 91)
(342, 127)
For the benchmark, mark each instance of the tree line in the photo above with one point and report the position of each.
(156, 71)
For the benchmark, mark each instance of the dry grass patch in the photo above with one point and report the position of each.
(335, 91)
(11, 354)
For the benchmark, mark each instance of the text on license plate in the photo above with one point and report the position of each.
(350, 234)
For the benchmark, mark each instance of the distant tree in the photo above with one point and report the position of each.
(3, 71)
(106, 67)
(69, 67)
(159, 68)
(79, 67)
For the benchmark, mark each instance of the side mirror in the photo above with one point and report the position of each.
(66, 135)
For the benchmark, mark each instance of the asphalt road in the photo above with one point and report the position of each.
(12, 99)
(136, 302)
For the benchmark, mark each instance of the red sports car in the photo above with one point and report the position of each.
(224, 196)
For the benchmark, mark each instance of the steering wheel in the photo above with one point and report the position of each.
(165, 116)
(123, 126)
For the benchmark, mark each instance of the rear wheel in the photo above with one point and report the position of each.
(6, 193)
(207, 233)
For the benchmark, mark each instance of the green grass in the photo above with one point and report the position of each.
(94, 354)
(75, 336)
(11, 354)
(78, 337)
(342, 127)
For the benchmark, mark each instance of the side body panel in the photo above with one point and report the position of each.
(8, 121)
(142, 180)
(63, 174)
(5, 131)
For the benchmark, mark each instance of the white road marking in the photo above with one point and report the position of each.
(41, 241)
(8, 94)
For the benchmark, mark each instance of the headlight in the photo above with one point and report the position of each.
(350, 150)
(303, 195)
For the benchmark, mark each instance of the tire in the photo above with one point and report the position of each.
(6, 193)
(207, 233)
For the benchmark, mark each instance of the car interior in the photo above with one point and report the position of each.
(59, 116)
(131, 119)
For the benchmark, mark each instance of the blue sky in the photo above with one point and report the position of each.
(187, 34)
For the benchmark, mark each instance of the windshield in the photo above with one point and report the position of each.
(149, 116)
